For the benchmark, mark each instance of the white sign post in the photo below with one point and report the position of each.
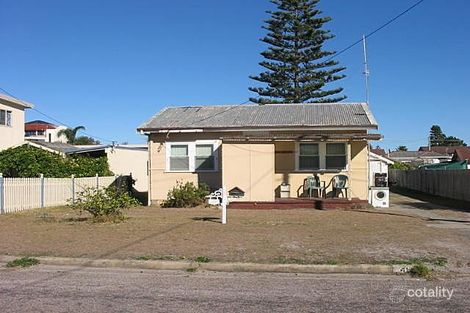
(220, 198)
(224, 205)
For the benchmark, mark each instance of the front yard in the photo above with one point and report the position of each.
(292, 236)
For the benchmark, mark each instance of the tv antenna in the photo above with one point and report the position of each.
(366, 68)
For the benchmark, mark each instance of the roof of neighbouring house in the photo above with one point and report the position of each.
(38, 125)
(462, 154)
(329, 115)
(68, 149)
(440, 149)
(10, 100)
(378, 151)
(417, 154)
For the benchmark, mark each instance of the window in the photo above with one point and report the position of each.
(3, 116)
(179, 158)
(192, 156)
(335, 156)
(8, 118)
(309, 158)
(204, 157)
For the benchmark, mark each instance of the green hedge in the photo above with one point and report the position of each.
(27, 161)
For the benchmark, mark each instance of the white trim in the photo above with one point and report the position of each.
(192, 155)
(322, 156)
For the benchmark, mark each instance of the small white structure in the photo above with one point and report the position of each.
(377, 165)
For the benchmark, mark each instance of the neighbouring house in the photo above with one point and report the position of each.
(379, 151)
(377, 165)
(43, 131)
(122, 159)
(462, 154)
(418, 157)
(253, 149)
(12, 113)
(448, 150)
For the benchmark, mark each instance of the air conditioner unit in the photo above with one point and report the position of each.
(379, 197)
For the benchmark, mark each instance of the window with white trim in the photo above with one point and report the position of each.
(309, 156)
(335, 157)
(5, 117)
(197, 156)
(179, 158)
(204, 159)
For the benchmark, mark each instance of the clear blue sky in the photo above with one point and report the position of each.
(110, 65)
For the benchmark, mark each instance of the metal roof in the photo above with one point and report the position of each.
(10, 100)
(263, 116)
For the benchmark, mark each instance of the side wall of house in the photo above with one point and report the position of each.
(126, 161)
(12, 135)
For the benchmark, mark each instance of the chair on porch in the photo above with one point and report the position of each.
(339, 183)
(312, 183)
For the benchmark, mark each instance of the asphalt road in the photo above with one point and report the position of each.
(68, 289)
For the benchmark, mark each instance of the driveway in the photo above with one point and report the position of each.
(438, 215)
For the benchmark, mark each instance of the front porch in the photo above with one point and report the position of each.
(299, 203)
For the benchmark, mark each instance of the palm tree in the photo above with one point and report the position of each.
(70, 133)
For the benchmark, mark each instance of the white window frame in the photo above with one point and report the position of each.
(322, 154)
(346, 154)
(192, 155)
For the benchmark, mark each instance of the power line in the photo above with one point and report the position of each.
(375, 31)
(54, 119)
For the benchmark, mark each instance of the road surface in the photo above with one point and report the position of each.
(69, 289)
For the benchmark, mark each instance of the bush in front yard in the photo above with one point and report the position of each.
(104, 204)
(186, 195)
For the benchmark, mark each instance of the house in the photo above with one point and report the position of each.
(252, 150)
(43, 131)
(462, 154)
(122, 159)
(377, 165)
(12, 113)
(449, 150)
(379, 151)
(418, 157)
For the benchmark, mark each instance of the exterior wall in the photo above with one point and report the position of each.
(124, 161)
(256, 168)
(162, 181)
(250, 167)
(50, 133)
(12, 135)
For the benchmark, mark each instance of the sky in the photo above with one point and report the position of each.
(111, 65)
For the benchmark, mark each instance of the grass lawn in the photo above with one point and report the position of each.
(290, 236)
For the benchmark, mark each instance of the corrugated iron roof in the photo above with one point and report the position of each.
(272, 115)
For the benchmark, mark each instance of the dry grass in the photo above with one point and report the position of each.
(292, 236)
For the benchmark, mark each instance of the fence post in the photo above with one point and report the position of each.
(97, 181)
(2, 195)
(42, 191)
(73, 189)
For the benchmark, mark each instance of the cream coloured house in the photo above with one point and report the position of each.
(12, 113)
(254, 149)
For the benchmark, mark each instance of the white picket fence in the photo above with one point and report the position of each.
(18, 194)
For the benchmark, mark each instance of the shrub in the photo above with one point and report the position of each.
(186, 195)
(23, 262)
(27, 161)
(420, 270)
(104, 204)
(402, 166)
(202, 259)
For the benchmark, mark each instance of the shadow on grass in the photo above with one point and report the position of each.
(207, 219)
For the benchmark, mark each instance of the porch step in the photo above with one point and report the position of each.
(298, 203)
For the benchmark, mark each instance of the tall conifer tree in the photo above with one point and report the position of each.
(298, 69)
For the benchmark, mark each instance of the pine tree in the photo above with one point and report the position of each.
(298, 69)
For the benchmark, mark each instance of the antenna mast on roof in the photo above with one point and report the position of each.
(366, 67)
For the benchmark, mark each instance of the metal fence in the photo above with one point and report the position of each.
(18, 194)
(453, 184)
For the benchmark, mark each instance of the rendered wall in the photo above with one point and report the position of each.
(12, 135)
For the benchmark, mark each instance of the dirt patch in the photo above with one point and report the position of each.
(293, 236)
